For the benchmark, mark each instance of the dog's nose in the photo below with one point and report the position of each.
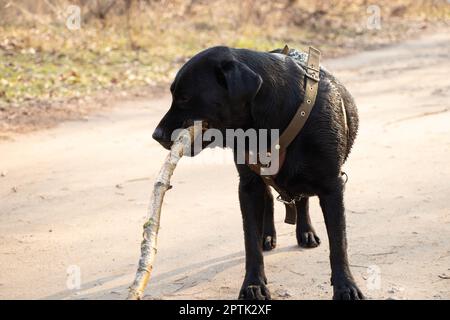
(159, 136)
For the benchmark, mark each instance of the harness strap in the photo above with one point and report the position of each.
(303, 111)
(292, 130)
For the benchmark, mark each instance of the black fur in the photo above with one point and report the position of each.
(238, 88)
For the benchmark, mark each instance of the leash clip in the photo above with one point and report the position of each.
(279, 198)
(292, 201)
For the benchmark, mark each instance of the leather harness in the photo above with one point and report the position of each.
(292, 130)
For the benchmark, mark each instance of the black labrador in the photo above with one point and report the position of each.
(238, 88)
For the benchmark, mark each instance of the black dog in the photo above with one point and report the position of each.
(236, 88)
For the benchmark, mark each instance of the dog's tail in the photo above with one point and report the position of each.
(351, 117)
(349, 111)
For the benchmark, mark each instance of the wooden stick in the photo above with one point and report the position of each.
(151, 227)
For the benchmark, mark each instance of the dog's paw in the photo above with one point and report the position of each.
(269, 243)
(347, 290)
(254, 292)
(308, 239)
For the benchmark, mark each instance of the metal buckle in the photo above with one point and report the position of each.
(292, 201)
(264, 165)
(313, 73)
(312, 68)
(343, 174)
(279, 198)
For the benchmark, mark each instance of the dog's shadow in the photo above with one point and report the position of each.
(170, 283)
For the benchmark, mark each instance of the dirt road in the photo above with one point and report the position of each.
(73, 199)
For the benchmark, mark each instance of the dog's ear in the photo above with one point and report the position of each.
(241, 82)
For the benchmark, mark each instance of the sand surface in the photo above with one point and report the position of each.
(73, 199)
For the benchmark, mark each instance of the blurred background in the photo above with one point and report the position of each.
(59, 55)
(73, 198)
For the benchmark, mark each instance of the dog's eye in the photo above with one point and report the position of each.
(183, 99)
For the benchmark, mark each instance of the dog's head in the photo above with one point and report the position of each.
(213, 87)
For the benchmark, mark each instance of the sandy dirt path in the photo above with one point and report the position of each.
(75, 197)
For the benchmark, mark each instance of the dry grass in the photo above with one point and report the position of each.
(144, 45)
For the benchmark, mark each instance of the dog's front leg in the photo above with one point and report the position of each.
(332, 203)
(251, 197)
(270, 234)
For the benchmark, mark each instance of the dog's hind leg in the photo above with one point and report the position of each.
(270, 235)
(332, 203)
(306, 236)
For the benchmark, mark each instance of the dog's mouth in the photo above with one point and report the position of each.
(199, 144)
(205, 127)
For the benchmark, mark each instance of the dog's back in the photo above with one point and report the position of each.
(339, 91)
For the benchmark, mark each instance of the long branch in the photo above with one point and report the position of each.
(151, 227)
